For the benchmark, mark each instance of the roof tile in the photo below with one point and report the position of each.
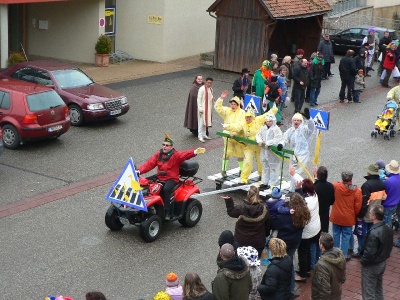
(291, 8)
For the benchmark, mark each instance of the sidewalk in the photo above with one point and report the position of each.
(139, 69)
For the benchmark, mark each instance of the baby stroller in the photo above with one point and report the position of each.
(386, 121)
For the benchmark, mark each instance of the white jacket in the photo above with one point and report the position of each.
(269, 136)
(312, 228)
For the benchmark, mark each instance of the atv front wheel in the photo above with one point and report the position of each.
(150, 229)
(112, 220)
(192, 214)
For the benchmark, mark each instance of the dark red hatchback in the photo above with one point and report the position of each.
(30, 112)
(85, 99)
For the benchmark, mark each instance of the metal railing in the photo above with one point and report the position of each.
(339, 6)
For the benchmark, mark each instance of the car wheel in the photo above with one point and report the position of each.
(192, 214)
(150, 229)
(76, 115)
(11, 137)
(112, 220)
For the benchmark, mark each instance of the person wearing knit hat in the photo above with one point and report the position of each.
(173, 287)
(230, 114)
(251, 255)
(277, 205)
(370, 39)
(298, 139)
(382, 172)
(167, 161)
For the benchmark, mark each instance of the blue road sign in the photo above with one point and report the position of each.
(320, 118)
(253, 102)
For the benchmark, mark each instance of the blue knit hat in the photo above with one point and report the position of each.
(276, 193)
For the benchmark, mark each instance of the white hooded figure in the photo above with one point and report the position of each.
(298, 139)
(269, 134)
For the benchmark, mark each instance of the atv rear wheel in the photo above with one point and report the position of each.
(112, 220)
(150, 229)
(192, 214)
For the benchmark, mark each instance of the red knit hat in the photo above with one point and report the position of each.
(300, 52)
(172, 280)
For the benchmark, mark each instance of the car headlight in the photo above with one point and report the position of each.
(95, 106)
(123, 100)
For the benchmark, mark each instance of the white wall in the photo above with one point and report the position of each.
(73, 28)
(187, 29)
(133, 34)
(383, 3)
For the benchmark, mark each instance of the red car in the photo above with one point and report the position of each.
(85, 99)
(30, 112)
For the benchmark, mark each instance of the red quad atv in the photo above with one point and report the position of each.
(186, 210)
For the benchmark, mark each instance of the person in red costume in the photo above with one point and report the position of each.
(167, 160)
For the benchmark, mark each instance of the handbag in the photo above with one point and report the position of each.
(358, 229)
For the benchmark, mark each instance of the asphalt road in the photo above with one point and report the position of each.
(65, 248)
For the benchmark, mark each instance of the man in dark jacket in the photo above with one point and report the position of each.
(316, 73)
(301, 78)
(348, 71)
(329, 271)
(325, 47)
(242, 84)
(383, 43)
(233, 281)
(326, 196)
(375, 251)
(369, 190)
(359, 60)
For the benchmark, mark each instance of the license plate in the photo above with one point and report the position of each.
(124, 221)
(115, 112)
(54, 128)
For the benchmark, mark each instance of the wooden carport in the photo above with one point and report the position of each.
(248, 31)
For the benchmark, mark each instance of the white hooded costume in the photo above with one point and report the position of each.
(270, 161)
(299, 141)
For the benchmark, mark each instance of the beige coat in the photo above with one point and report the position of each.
(204, 108)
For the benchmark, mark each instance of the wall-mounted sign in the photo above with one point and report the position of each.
(102, 22)
(154, 19)
(109, 21)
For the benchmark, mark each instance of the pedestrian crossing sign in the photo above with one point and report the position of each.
(253, 102)
(127, 190)
(320, 118)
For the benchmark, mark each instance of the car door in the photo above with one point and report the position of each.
(349, 39)
(5, 104)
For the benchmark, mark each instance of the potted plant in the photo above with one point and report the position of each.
(15, 58)
(103, 49)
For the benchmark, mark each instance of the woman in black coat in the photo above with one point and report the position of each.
(276, 281)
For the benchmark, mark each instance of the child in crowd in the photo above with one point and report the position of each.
(95, 295)
(382, 170)
(251, 255)
(273, 93)
(161, 295)
(276, 205)
(282, 81)
(174, 289)
(359, 85)
(383, 121)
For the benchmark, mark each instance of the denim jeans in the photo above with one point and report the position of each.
(371, 281)
(291, 253)
(356, 97)
(314, 93)
(315, 254)
(389, 211)
(366, 227)
(341, 237)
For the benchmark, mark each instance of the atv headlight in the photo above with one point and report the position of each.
(95, 106)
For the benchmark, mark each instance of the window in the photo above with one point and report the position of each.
(44, 100)
(4, 100)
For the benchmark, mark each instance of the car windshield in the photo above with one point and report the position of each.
(68, 79)
(44, 100)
